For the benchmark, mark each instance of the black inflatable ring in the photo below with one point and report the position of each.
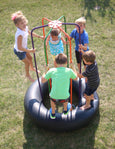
(75, 119)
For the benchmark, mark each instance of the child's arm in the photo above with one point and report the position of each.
(80, 75)
(73, 68)
(47, 40)
(43, 80)
(63, 40)
(84, 47)
(71, 38)
(75, 78)
(35, 35)
(67, 38)
(82, 51)
(19, 44)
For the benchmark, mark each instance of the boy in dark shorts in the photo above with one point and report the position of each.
(84, 39)
(92, 75)
(60, 76)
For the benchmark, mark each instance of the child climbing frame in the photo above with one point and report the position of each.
(56, 24)
(37, 92)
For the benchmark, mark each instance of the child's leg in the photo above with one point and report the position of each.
(77, 54)
(30, 60)
(92, 97)
(65, 105)
(31, 63)
(87, 105)
(53, 106)
(27, 63)
(78, 65)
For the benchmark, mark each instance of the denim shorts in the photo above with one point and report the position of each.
(89, 91)
(20, 55)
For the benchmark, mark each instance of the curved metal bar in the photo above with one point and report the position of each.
(35, 56)
(80, 55)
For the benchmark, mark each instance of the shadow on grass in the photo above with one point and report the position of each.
(38, 137)
(104, 7)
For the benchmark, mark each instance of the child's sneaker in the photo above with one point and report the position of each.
(52, 116)
(68, 109)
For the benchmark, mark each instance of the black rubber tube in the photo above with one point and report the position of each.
(75, 119)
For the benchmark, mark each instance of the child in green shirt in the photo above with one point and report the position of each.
(60, 76)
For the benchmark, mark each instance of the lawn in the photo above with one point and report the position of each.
(17, 131)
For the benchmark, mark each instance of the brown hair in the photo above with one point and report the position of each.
(54, 32)
(17, 17)
(89, 56)
(61, 58)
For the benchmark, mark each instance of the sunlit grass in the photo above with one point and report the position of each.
(17, 130)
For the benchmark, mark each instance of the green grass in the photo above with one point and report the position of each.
(17, 131)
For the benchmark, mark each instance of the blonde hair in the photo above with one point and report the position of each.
(81, 20)
(17, 17)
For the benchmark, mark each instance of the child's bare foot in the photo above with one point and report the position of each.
(33, 69)
(29, 77)
(85, 107)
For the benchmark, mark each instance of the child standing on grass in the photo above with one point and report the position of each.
(55, 42)
(60, 83)
(20, 47)
(84, 39)
(92, 75)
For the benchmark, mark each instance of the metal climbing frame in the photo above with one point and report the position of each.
(56, 24)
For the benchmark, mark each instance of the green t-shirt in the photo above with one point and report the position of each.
(60, 82)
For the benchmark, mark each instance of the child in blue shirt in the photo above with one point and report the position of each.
(84, 39)
(55, 42)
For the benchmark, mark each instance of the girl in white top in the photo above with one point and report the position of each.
(20, 47)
